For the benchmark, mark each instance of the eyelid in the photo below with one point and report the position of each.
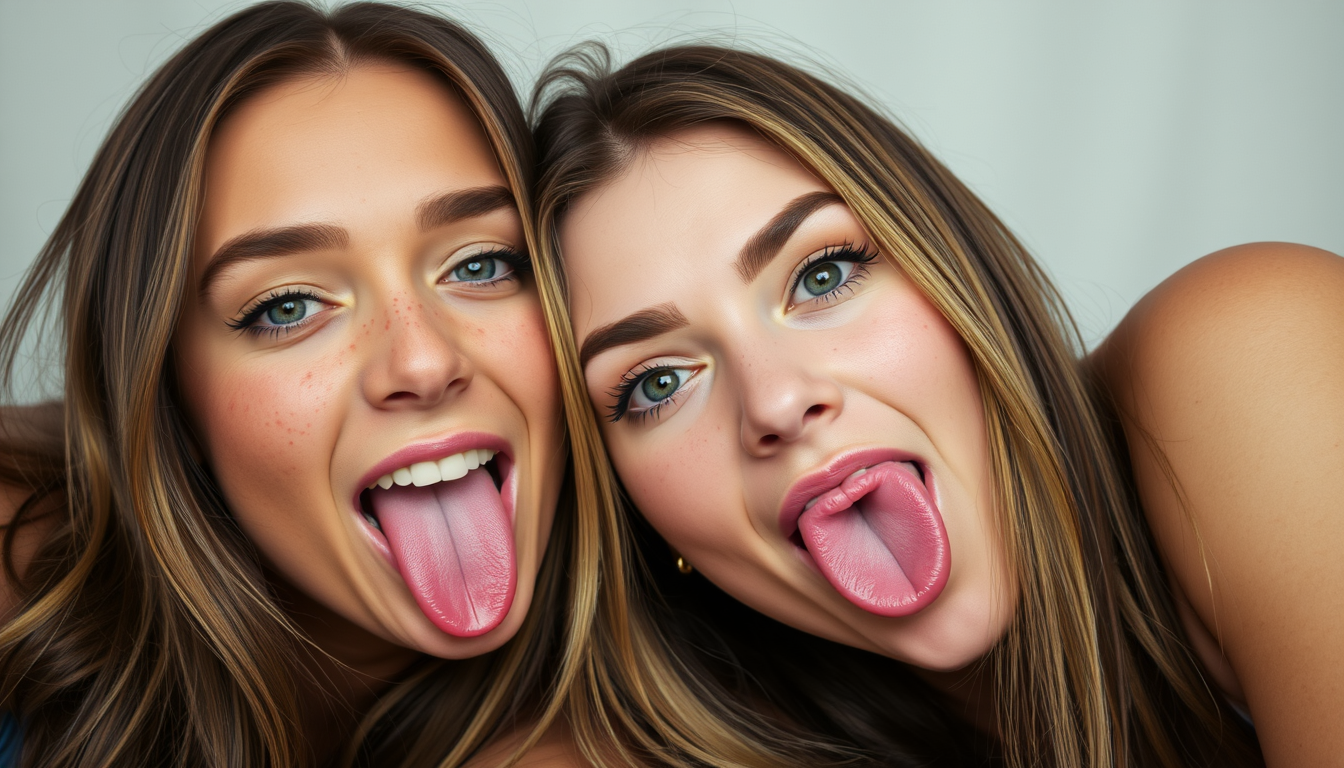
(518, 263)
(625, 389)
(253, 310)
(859, 254)
(501, 251)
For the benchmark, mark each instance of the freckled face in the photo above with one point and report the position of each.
(370, 321)
(767, 368)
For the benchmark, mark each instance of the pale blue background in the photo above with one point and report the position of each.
(1120, 140)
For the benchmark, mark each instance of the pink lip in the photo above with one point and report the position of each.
(432, 451)
(813, 484)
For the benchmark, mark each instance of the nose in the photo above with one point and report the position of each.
(783, 398)
(418, 363)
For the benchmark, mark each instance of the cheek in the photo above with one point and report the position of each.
(907, 356)
(517, 352)
(686, 483)
(269, 425)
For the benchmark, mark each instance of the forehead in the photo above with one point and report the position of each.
(313, 148)
(683, 205)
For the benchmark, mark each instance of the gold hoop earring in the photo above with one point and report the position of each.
(684, 566)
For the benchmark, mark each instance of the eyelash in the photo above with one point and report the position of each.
(518, 262)
(247, 323)
(859, 257)
(625, 389)
(845, 252)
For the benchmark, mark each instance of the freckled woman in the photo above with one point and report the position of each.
(838, 388)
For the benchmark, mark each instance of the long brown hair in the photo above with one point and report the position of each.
(1093, 670)
(147, 633)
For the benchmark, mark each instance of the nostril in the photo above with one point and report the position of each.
(401, 396)
(769, 440)
(814, 411)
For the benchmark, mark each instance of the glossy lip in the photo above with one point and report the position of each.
(434, 450)
(813, 484)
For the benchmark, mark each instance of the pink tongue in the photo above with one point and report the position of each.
(454, 546)
(879, 540)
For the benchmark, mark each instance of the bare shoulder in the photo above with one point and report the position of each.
(1236, 299)
(1230, 379)
(555, 749)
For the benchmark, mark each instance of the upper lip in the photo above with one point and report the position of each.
(814, 483)
(431, 450)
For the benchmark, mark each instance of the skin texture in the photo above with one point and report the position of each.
(1231, 371)
(393, 352)
(777, 387)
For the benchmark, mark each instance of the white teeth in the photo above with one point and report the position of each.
(810, 502)
(424, 473)
(856, 473)
(454, 467)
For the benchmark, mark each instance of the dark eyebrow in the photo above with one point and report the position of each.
(644, 324)
(770, 239)
(462, 204)
(269, 243)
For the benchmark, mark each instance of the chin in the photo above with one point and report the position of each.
(943, 640)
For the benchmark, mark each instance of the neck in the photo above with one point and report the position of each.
(342, 676)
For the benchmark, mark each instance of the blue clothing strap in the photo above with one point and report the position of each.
(10, 738)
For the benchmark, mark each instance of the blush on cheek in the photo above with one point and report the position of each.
(262, 429)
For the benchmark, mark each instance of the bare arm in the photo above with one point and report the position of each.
(1234, 367)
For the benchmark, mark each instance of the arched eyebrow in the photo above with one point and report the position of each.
(269, 243)
(435, 211)
(762, 247)
(462, 204)
(641, 325)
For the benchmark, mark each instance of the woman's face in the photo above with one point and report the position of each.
(785, 407)
(365, 362)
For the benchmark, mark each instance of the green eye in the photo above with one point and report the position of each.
(823, 278)
(287, 312)
(660, 385)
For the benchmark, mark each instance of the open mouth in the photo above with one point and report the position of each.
(796, 538)
(446, 524)
(426, 473)
(870, 525)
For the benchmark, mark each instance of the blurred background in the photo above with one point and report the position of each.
(1119, 140)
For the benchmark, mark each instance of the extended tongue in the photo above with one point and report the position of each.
(454, 546)
(879, 540)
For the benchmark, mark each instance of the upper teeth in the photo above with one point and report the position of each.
(424, 473)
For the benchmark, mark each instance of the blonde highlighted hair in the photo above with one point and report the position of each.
(1094, 670)
(147, 633)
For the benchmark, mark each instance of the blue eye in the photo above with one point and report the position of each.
(642, 394)
(476, 270)
(281, 311)
(488, 268)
